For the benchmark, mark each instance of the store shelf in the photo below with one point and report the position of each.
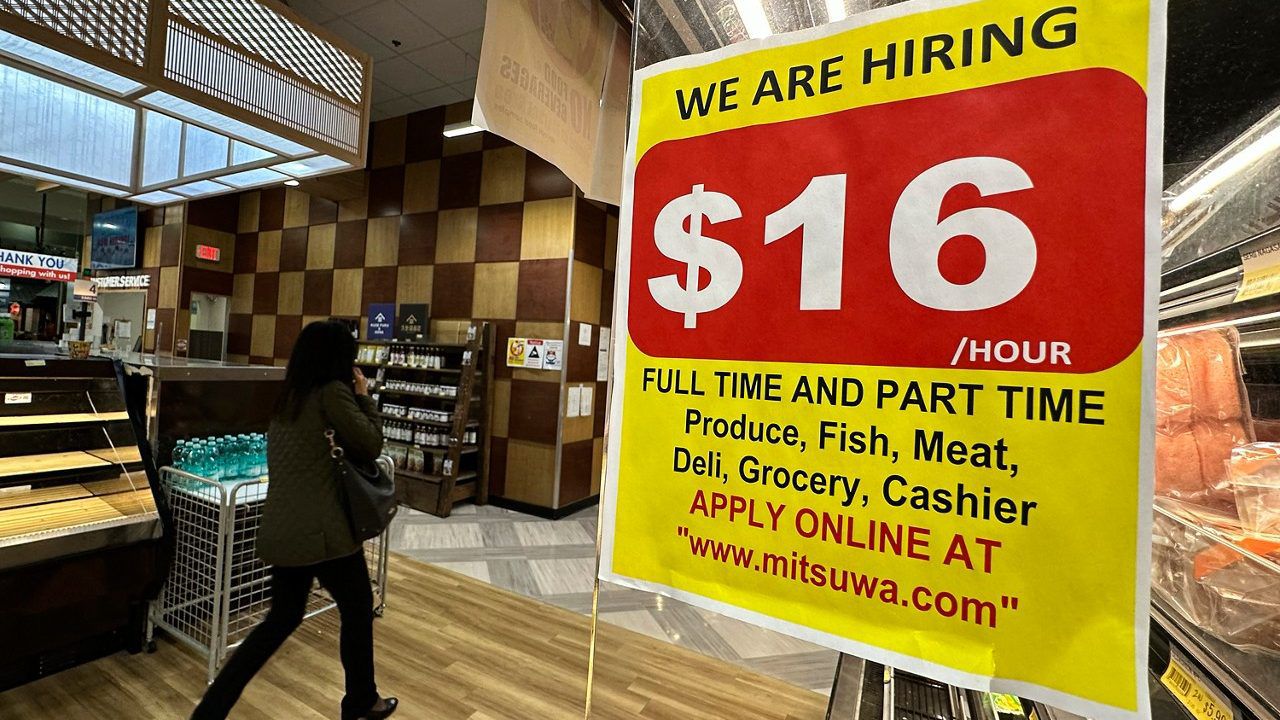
(19, 465)
(447, 371)
(462, 477)
(411, 393)
(61, 419)
(1250, 680)
(121, 484)
(432, 423)
(83, 511)
(119, 456)
(434, 450)
(27, 497)
(415, 343)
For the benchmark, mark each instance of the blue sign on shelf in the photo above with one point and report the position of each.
(382, 321)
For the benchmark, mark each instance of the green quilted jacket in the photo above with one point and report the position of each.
(305, 521)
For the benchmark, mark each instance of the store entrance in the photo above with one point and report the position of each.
(207, 339)
(38, 302)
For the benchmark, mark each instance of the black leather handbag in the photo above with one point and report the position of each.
(371, 493)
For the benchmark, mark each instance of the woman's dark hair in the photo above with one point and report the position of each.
(324, 352)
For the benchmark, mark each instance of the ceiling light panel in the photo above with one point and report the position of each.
(243, 87)
(24, 50)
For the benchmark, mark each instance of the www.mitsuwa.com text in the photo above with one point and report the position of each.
(797, 567)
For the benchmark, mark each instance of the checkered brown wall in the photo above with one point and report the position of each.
(591, 303)
(477, 227)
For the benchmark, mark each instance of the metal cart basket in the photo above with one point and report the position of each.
(218, 590)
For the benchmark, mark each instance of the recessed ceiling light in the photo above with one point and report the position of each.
(460, 128)
(291, 183)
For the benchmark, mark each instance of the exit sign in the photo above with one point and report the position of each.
(208, 252)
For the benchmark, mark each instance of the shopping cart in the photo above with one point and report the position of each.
(218, 590)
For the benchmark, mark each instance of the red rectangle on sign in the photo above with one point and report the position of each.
(208, 252)
(997, 227)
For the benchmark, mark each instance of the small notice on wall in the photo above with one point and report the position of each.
(535, 354)
(17, 398)
(574, 402)
(555, 355)
(525, 353)
(602, 356)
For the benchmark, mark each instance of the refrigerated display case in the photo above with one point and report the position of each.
(1216, 548)
(81, 540)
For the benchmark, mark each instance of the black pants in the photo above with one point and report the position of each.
(347, 580)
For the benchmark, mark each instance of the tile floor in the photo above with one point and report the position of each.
(554, 561)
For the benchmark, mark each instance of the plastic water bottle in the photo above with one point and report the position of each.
(247, 463)
(180, 452)
(260, 454)
(228, 458)
(244, 470)
(195, 458)
(217, 456)
(207, 459)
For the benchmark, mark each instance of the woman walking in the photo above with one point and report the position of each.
(305, 532)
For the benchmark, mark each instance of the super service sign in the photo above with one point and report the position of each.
(884, 381)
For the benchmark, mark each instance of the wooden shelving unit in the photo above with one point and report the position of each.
(457, 470)
(61, 419)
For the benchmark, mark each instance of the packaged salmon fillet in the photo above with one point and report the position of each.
(1214, 368)
(1178, 472)
(1174, 410)
(1202, 415)
(1255, 482)
(1215, 440)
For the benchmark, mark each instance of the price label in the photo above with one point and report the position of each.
(1261, 267)
(882, 341)
(1195, 696)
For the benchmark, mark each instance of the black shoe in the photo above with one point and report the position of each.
(389, 706)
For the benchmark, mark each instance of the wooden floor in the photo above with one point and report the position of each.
(451, 648)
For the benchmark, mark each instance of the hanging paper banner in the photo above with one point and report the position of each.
(883, 367)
